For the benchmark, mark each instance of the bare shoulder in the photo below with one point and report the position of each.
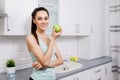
(31, 42)
(30, 38)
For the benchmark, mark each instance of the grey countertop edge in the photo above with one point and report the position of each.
(87, 64)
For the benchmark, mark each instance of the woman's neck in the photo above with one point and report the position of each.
(40, 32)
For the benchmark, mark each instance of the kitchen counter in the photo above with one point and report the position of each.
(24, 74)
(87, 64)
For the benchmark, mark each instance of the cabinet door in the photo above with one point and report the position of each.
(96, 40)
(19, 16)
(84, 8)
(92, 74)
(93, 17)
(102, 72)
(67, 14)
(69, 78)
(85, 75)
(108, 75)
(73, 18)
(98, 73)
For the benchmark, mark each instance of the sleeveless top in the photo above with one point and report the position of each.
(44, 73)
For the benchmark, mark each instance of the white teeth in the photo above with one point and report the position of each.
(43, 26)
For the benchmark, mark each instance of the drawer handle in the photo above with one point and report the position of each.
(99, 79)
(77, 28)
(98, 71)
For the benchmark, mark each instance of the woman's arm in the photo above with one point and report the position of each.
(54, 63)
(43, 59)
(59, 59)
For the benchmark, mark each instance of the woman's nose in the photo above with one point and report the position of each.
(43, 20)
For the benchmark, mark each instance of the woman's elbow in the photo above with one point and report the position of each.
(61, 61)
(45, 64)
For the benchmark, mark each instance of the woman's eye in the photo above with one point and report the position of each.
(40, 18)
(46, 18)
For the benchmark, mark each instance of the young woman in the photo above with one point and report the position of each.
(43, 49)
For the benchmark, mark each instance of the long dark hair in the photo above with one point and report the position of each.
(33, 25)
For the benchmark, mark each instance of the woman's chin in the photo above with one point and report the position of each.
(44, 29)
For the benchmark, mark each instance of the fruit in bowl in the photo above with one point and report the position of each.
(57, 27)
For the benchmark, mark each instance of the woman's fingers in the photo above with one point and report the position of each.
(34, 64)
(37, 65)
(56, 34)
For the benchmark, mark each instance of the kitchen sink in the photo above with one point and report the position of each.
(68, 66)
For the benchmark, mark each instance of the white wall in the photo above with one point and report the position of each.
(68, 46)
(15, 47)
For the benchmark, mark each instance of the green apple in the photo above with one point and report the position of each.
(74, 59)
(57, 27)
(71, 59)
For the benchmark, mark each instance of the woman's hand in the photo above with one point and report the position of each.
(56, 34)
(37, 65)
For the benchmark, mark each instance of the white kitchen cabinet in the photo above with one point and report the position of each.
(97, 73)
(18, 21)
(2, 18)
(96, 37)
(92, 46)
(85, 75)
(102, 72)
(67, 17)
(90, 74)
(73, 77)
(79, 16)
(108, 75)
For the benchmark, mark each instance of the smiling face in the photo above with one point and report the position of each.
(41, 20)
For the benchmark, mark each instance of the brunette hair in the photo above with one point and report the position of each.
(33, 25)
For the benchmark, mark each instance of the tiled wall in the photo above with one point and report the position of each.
(15, 47)
(68, 46)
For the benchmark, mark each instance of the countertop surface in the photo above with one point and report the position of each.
(87, 64)
(24, 74)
